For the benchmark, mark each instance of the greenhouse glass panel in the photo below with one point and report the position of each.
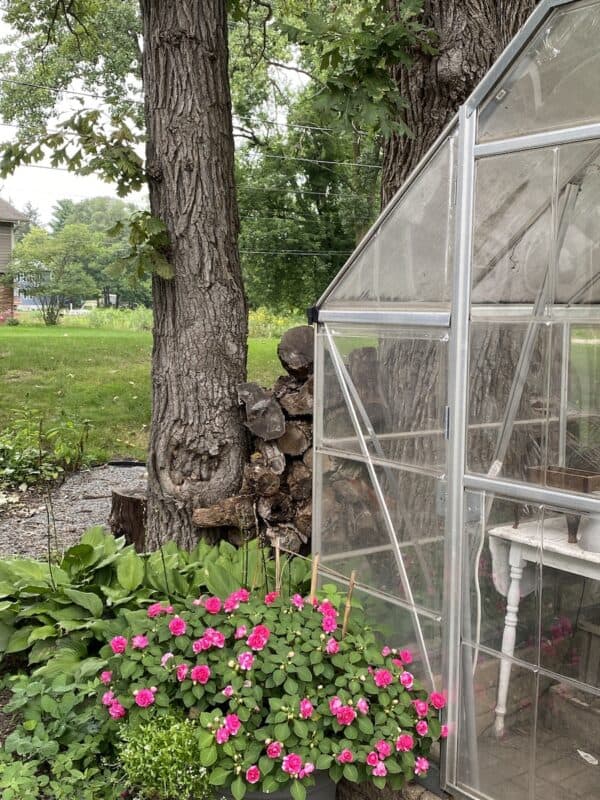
(407, 258)
(457, 419)
(369, 368)
(554, 82)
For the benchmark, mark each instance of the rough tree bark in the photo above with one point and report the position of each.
(197, 442)
(471, 35)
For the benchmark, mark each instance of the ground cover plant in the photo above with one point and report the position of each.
(54, 620)
(102, 375)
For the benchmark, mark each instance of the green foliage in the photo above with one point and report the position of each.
(148, 246)
(161, 760)
(265, 324)
(281, 673)
(50, 268)
(36, 450)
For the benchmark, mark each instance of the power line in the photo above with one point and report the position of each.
(322, 161)
(297, 252)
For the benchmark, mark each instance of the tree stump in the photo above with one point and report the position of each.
(128, 517)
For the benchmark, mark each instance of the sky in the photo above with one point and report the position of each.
(44, 187)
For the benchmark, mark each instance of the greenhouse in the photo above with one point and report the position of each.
(457, 419)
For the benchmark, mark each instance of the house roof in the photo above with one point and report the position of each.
(10, 214)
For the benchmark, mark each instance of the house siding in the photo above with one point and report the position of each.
(6, 242)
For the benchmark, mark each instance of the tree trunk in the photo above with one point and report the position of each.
(197, 441)
(471, 35)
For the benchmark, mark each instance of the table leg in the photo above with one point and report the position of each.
(513, 598)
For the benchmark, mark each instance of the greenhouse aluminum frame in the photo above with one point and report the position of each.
(457, 321)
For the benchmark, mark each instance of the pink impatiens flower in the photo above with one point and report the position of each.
(406, 656)
(228, 690)
(212, 605)
(329, 624)
(274, 749)
(292, 764)
(156, 609)
(181, 672)
(253, 774)
(106, 677)
(383, 748)
(383, 677)
(407, 680)
(108, 698)
(362, 705)
(222, 735)
(139, 642)
(404, 743)
(177, 626)
(246, 659)
(386, 651)
(118, 644)
(258, 638)
(232, 724)
(437, 700)
(298, 601)
(240, 632)
(116, 710)
(372, 758)
(200, 674)
(346, 756)
(421, 707)
(380, 770)
(421, 765)
(307, 769)
(332, 647)
(345, 715)
(335, 704)
(165, 659)
(144, 698)
(444, 732)
(306, 708)
(422, 728)
(270, 598)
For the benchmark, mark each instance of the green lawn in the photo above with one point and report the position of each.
(100, 375)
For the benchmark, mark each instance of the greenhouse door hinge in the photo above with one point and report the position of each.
(447, 422)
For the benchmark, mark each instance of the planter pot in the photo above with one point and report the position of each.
(324, 789)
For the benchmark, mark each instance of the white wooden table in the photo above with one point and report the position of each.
(525, 546)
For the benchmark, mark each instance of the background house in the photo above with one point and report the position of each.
(9, 217)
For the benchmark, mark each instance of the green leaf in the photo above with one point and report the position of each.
(351, 773)
(298, 790)
(300, 729)
(130, 570)
(218, 776)
(282, 732)
(19, 640)
(238, 788)
(91, 602)
(365, 725)
(43, 632)
(208, 756)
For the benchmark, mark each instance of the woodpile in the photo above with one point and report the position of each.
(274, 501)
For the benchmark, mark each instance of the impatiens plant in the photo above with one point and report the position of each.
(278, 693)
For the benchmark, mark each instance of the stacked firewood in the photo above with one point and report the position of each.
(274, 501)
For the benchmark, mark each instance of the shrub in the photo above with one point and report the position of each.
(266, 324)
(161, 760)
(34, 450)
(278, 692)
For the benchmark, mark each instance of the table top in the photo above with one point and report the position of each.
(553, 539)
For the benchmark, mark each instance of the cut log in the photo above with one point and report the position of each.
(128, 517)
(303, 519)
(289, 537)
(299, 403)
(260, 479)
(264, 417)
(277, 508)
(296, 351)
(272, 455)
(307, 458)
(296, 439)
(234, 512)
(284, 385)
(299, 480)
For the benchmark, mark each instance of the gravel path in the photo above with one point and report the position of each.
(82, 501)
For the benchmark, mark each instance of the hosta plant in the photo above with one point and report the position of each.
(279, 694)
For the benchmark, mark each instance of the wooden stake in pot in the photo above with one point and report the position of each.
(313, 578)
(348, 605)
(278, 564)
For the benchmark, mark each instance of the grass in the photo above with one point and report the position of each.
(96, 374)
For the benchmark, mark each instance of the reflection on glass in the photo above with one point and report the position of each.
(409, 259)
(355, 533)
(554, 82)
(498, 768)
(397, 381)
